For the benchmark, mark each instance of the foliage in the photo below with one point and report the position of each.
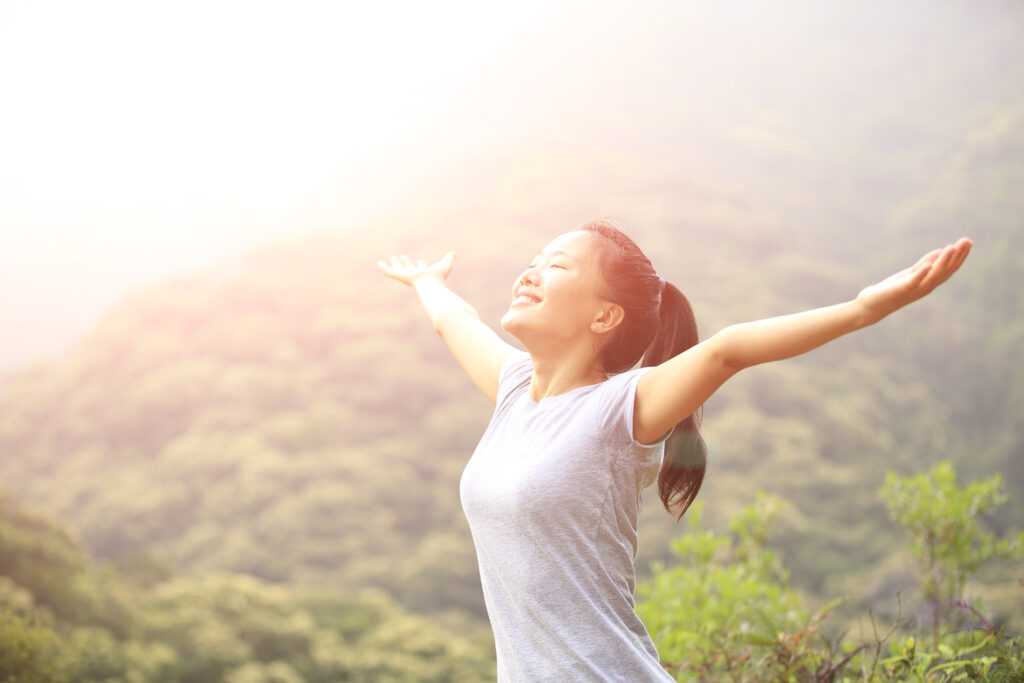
(213, 627)
(293, 423)
(947, 537)
(27, 649)
(726, 612)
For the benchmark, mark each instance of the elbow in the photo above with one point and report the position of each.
(441, 319)
(723, 350)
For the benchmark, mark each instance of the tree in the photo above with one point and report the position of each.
(942, 519)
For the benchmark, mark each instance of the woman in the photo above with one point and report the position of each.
(552, 490)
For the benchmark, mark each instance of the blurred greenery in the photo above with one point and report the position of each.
(288, 435)
(724, 609)
(288, 423)
(64, 617)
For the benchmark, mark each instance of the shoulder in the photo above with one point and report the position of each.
(619, 402)
(516, 371)
(516, 362)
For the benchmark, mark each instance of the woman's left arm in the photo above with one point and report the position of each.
(673, 389)
(743, 345)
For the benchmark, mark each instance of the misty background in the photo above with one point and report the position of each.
(207, 385)
(142, 140)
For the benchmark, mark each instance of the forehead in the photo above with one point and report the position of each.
(575, 244)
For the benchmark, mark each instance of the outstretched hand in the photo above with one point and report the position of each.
(912, 283)
(405, 270)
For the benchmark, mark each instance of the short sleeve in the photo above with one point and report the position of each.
(515, 372)
(621, 404)
(630, 406)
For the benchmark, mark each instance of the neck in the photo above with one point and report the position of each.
(556, 371)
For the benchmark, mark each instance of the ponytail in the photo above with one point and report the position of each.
(682, 470)
(659, 324)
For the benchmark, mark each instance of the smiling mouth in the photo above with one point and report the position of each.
(525, 301)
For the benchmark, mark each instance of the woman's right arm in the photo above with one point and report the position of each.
(476, 347)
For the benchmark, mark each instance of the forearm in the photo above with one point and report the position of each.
(439, 301)
(761, 341)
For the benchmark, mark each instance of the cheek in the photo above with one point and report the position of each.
(561, 293)
(567, 301)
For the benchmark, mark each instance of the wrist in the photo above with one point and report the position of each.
(865, 314)
(428, 280)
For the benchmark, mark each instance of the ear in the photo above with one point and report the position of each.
(608, 316)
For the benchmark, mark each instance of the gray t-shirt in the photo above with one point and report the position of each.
(551, 494)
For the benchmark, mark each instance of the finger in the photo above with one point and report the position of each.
(928, 258)
(960, 257)
(938, 269)
(965, 245)
(967, 250)
(918, 276)
(931, 280)
(901, 274)
(948, 256)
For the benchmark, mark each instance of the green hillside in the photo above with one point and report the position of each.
(723, 607)
(298, 420)
(66, 618)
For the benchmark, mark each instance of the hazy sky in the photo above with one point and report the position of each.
(172, 127)
(140, 138)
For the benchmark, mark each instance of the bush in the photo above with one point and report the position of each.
(726, 612)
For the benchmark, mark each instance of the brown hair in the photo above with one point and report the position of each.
(658, 324)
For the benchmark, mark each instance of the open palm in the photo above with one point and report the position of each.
(406, 271)
(912, 283)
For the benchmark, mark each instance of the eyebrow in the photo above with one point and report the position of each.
(559, 251)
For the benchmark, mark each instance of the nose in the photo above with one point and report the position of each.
(523, 281)
(525, 278)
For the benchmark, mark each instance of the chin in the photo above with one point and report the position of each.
(509, 323)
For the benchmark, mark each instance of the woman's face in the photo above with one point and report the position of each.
(565, 277)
